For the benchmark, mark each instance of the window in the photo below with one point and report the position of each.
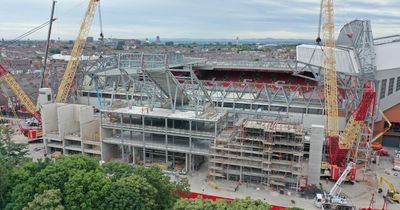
(398, 84)
(391, 86)
(383, 88)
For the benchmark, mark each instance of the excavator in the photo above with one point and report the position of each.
(32, 129)
(392, 193)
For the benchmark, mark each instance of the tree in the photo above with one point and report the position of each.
(11, 155)
(237, 204)
(199, 204)
(86, 190)
(166, 196)
(21, 195)
(22, 180)
(133, 192)
(9, 150)
(248, 203)
(57, 174)
(118, 169)
(36, 178)
(48, 200)
(54, 51)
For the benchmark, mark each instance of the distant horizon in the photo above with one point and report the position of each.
(178, 38)
(262, 41)
(224, 19)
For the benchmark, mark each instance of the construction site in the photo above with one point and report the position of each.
(259, 152)
(278, 125)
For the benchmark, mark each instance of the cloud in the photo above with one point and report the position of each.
(196, 18)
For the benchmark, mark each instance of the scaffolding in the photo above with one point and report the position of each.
(263, 152)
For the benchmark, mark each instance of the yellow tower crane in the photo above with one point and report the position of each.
(338, 146)
(76, 53)
(330, 80)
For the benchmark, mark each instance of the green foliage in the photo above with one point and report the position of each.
(117, 169)
(237, 204)
(199, 204)
(9, 150)
(79, 182)
(32, 178)
(248, 203)
(48, 200)
(11, 155)
(166, 196)
(22, 178)
(56, 175)
(132, 192)
(54, 51)
(21, 195)
(86, 190)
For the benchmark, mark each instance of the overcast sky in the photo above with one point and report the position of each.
(195, 18)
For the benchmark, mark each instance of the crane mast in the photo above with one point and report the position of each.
(76, 53)
(330, 81)
(339, 145)
(357, 119)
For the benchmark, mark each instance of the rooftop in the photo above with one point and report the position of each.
(208, 115)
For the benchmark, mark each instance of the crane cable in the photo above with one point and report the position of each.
(101, 24)
(318, 39)
(32, 31)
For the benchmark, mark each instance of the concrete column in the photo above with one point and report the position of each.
(187, 162)
(166, 140)
(144, 143)
(133, 155)
(123, 152)
(314, 164)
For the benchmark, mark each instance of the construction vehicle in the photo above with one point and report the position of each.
(339, 145)
(334, 199)
(32, 127)
(392, 194)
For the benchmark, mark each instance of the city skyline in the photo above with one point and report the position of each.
(225, 19)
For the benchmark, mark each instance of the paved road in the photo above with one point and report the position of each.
(360, 193)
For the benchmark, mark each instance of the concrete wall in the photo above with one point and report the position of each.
(49, 118)
(67, 124)
(389, 100)
(110, 152)
(313, 119)
(387, 55)
(91, 101)
(316, 144)
(90, 127)
(85, 114)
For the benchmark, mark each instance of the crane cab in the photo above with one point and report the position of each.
(318, 200)
(45, 96)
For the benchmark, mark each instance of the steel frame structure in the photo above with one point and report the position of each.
(132, 84)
